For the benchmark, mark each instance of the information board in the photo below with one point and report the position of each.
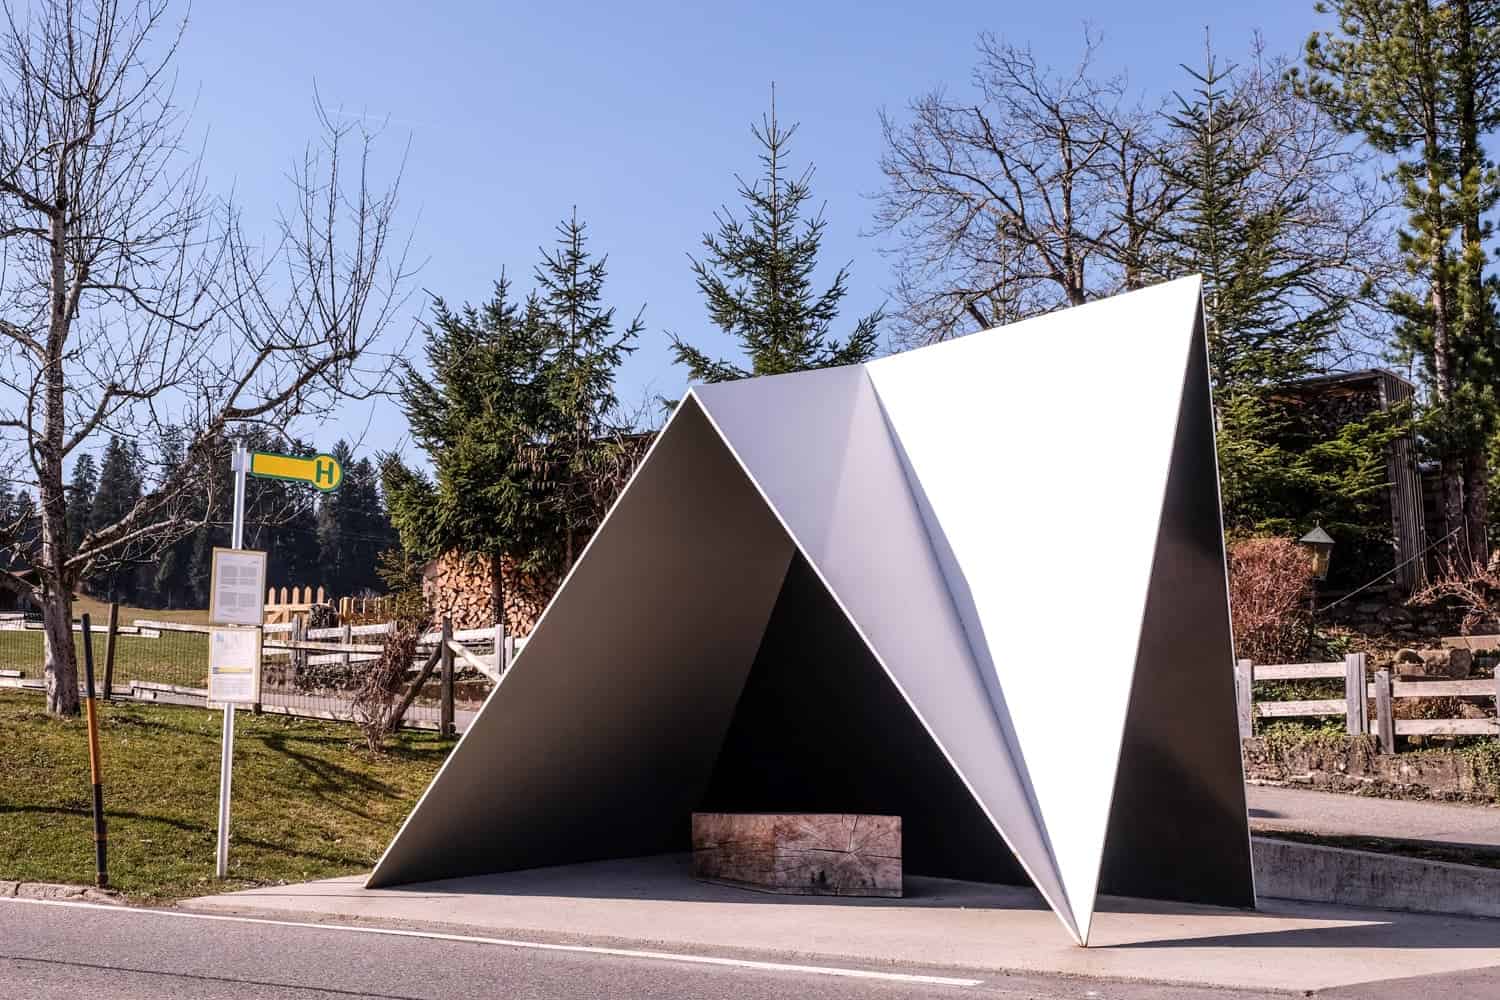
(237, 589)
(234, 666)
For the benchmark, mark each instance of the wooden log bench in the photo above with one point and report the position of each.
(806, 854)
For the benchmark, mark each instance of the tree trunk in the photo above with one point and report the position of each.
(57, 584)
(1456, 546)
(61, 656)
(1476, 507)
(1475, 313)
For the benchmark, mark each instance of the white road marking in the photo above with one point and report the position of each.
(661, 956)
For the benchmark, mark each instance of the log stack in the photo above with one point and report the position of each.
(458, 586)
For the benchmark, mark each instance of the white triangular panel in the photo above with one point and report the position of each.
(1040, 472)
(846, 503)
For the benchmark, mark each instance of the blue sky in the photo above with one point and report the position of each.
(638, 113)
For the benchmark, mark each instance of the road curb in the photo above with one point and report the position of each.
(1286, 869)
(57, 890)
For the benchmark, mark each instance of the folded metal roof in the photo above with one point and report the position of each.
(1030, 624)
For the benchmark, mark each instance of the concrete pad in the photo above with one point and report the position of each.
(653, 902)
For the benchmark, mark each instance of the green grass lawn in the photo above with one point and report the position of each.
(309, 800)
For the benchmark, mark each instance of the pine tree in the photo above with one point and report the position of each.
(519, 419)
(476, 418)
(1270, 314)
(1264, 327)
(352, 527)
(757, 277)
(585, 450)
(119, 490)
(1417, 79)
(169, 584)
(80, 497)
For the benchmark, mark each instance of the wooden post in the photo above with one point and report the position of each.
(1357, 723)
(299, 634)
(109, 650)
(445, 651)
(1385, 724)
(500, 663)
(416, 687)
(1244, 697)
(96, 768)
(347, 636)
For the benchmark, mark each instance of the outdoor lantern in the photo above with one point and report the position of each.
(1321, 545)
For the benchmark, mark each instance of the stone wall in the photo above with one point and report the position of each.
(1354, 764)
(1382, 615)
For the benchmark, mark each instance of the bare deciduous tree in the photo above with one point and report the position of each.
(132, 301)
(1050, 189)
(1042, 192)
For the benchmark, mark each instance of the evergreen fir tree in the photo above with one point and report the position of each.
(80, 498)
(757, 277)
(352, 528)
(1280, 467)
(583, 449)
(1417, 80)
(119, 490)
(170, 579)
(476, 418)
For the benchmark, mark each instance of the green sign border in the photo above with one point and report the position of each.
(297, 479)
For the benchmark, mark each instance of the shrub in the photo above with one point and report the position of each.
(376, 695)
(1270, 581)
(1475, 592)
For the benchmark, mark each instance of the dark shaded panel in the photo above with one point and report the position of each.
(821, 728)
(1178, 827)
(601, 738)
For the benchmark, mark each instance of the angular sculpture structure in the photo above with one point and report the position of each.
(979, 586)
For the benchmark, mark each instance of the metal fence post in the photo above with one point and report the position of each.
(445, 658)
(1244, 679)
(109, 650)
(1357, 723)
(1385, 724)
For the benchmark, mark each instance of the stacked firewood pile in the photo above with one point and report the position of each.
(458, 585)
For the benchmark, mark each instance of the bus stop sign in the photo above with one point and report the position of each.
(322, 471)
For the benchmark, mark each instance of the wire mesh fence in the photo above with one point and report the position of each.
(306, 672)
(317, 672)
(144, 655)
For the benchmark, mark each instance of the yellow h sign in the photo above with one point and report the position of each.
(322, 471)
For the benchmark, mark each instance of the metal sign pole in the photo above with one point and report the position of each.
(238, 465)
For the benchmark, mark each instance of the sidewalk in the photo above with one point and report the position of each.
(1332, 814)
(653, 903)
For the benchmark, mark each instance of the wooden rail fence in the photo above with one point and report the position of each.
(1360, 691)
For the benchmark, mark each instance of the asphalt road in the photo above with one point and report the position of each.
(1353, 815)
(56, 952)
